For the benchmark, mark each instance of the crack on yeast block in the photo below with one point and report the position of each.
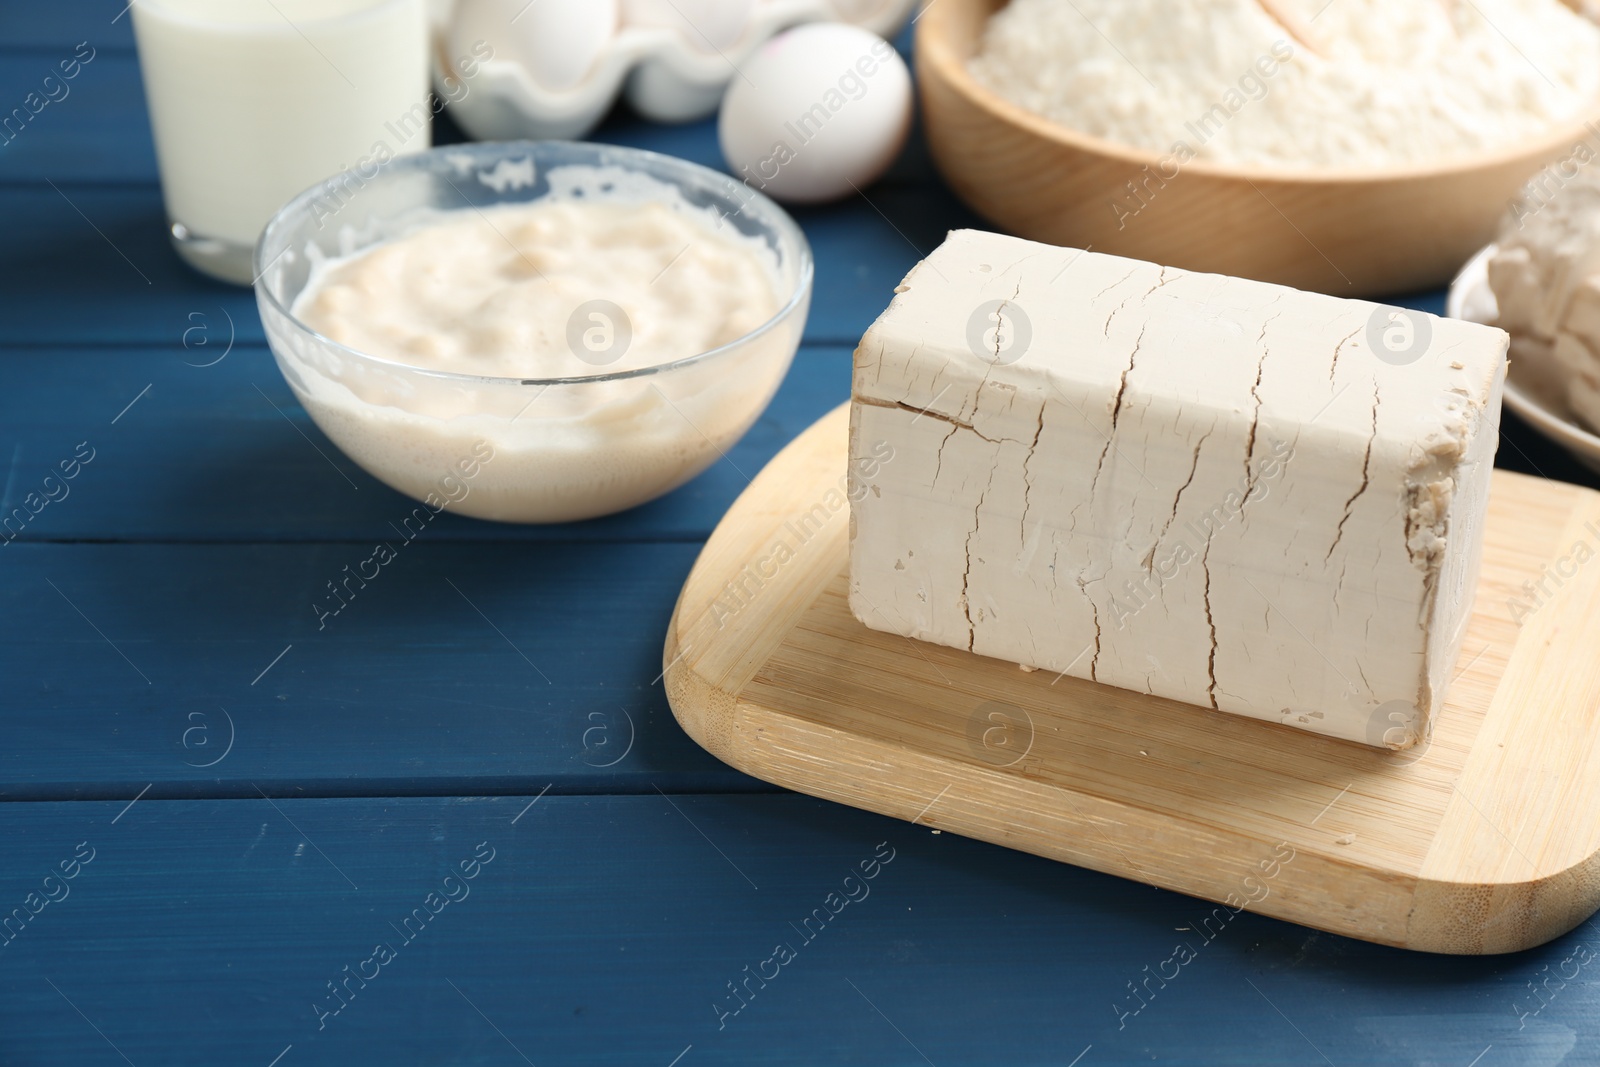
(877, 362)
(1149, 557)
(1117, 406)
(911, 360)
(1250, 474)
(938, 456)
(1055, 560)
(1122, 384)
(1334, 365)
(1094, 611)
(1125, 278)
(1143, 299)
(990, 365)
(1116, 415)
(999, 320)
(958, 424)
(1079, 578)
(1027, 476)
(1122, 389)
(1366, 481)
(954, 424)
(1211, 622)
(1249, 482)
(966, 573)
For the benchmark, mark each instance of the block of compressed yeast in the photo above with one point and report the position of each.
(1220, 491)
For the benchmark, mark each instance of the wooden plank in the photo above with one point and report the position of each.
(169, 466)
(1481, 840)
(210, 669)
(81, 247)
(89, 129)
(605, 929)
(48, 27)
(99, 134)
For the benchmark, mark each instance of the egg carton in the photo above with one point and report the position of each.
(663, 75)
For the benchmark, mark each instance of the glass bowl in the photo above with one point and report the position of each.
(527, 449)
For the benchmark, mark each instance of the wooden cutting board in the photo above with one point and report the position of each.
(1483, 839)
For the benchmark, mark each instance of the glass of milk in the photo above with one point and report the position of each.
(252, 101)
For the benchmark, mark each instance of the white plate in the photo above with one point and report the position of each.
(1534, 388)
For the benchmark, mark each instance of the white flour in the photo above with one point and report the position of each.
(1402, 81)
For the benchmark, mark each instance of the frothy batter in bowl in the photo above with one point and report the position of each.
(540, 360)
(549, 289)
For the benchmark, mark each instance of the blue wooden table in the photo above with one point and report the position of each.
(459, 825)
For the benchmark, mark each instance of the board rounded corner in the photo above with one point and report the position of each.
(701, 709)
(1476, 918)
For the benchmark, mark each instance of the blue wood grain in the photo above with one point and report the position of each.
(91, 264)
(457, 668)
(223, 451)
(30, 25)
(606, 930)
(91, 128)
(78, 187)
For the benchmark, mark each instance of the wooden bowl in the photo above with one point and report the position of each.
(1349, 232)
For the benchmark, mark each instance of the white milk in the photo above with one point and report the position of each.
(252, 101)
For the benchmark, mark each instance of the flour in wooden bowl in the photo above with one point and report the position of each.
(1389, 84)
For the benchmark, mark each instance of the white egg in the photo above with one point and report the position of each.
(816, 113)
(709, 25)
(556, 41)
